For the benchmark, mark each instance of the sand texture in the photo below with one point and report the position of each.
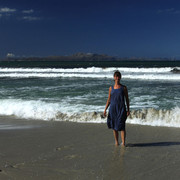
(65, 151)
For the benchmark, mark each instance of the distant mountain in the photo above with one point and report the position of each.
(83, 57)
(74, 57)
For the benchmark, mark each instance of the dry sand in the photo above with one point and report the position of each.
(64, 150)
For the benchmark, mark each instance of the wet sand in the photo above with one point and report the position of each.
(65, 150)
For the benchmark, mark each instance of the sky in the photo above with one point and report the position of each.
(122, 28)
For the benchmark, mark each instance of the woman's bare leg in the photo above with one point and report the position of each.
(123, 137)
(116, 137)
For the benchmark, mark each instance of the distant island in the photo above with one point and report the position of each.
(84, 57)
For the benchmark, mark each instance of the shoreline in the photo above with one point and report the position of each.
(70, 150)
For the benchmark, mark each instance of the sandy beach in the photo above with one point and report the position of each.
(64, 150)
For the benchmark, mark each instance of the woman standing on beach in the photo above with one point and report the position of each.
(117, 115)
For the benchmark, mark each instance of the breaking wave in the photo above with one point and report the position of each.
(30, 109)
(75, 75)
(85, 70)
(154, 117)
(91, 72)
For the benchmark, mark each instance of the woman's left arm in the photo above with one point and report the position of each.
(127, 99)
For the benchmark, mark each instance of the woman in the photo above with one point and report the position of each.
(118, 113)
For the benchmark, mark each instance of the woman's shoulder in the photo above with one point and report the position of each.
(124, 87)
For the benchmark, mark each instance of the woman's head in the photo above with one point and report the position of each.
(117, 76)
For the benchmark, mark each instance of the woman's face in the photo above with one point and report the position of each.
(117, 78)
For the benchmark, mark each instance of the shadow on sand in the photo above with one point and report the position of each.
(153, 144)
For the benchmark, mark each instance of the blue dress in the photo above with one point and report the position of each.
(117, 112)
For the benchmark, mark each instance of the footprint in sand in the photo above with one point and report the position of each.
(8, 166)
(72, 156)
(62, 148)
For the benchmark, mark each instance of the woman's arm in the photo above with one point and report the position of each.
(108, 101)
(127, 99)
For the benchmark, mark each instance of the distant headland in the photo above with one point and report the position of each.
(84, 57)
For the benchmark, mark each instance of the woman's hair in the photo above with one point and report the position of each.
(117, 73)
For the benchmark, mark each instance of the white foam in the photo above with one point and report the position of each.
(91, 72)
(30, 109)
(145, 70)
(88, 70)
(53, 75)
(168, 77)
(153, 117)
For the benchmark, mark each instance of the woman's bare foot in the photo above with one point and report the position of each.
(123, 145)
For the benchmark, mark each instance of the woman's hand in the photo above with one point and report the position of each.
(128, 113)
(104, 113)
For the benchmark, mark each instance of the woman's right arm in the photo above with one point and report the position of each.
(108, 101)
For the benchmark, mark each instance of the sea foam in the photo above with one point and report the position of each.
(87, 70)
(30, 109)
(163, 74)
(168, 77)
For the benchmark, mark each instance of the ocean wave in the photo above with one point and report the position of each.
(151, 116)
(165, 77)
(155, 117)
(88, 70)
(170, 77)
(31, 109)
(91, 72)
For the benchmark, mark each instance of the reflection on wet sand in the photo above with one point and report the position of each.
(116, 165)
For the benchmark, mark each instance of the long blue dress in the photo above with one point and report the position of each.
(117, 112)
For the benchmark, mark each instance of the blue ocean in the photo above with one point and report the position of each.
(77, 91)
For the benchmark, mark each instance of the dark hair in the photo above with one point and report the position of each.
(117, 73)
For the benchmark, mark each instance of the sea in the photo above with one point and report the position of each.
(77, 91)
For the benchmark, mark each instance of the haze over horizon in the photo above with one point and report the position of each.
(64, 27)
